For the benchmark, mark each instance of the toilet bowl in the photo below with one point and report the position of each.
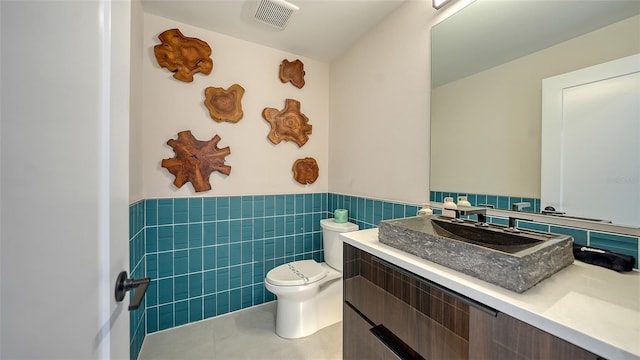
(309, 294)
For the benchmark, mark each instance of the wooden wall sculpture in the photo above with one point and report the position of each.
(305, 171)
(288, 123)
(185, 56)
(292, 71)
(195, 160)
(224, 105)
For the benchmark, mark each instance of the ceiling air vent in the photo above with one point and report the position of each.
(276, 13)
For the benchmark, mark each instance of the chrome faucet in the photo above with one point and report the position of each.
(512, 223)
(519, 206)
(480, 212)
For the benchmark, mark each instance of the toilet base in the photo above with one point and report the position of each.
(303, 315)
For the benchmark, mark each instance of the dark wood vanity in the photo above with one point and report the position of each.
(390, 313)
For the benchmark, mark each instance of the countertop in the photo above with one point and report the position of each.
(590, 306)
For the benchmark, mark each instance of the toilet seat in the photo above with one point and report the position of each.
(296, 273)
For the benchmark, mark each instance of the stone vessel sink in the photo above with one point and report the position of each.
(488, 236)
(513, 260)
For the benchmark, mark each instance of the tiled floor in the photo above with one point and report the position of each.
(246, 334)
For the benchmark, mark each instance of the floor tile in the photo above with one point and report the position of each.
(245, 334)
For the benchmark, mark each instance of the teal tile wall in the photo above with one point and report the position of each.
(209, 256)
(137, 269)
(622, 244)
(367, 212)
(497, 201)
(580, 236)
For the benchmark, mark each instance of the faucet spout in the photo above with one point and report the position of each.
(512, 223)
(480, 212)
(519, 206)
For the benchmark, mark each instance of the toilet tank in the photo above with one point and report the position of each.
(332, 243)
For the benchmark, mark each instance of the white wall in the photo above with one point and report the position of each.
(380, 88)
(137, 90)
(258, 166)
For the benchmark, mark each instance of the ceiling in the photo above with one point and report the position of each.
(321, 29)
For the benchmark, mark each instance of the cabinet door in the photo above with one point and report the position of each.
(505, 337)
(429, 321)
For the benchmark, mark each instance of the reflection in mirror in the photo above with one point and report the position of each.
(488, 63)
(590, 133)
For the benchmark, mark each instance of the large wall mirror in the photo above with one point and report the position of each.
(488, 64)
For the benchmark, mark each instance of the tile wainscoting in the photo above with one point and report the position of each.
(497, 201)
(137, 321)
(208, 256)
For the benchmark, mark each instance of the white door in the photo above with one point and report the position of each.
(591, 168)
(64, 178)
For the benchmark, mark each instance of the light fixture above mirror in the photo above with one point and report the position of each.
(437, 4)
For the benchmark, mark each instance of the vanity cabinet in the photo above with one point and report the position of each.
(390, 313)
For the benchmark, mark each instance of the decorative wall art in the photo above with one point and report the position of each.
(305, 171)
(224, 105)
(288, 123)
(292, 71)
(185, 56)
(195, 160)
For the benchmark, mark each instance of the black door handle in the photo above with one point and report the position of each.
(124, 284)
(395, 344)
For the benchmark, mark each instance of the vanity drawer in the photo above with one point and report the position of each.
(361, 343)
(428, 320)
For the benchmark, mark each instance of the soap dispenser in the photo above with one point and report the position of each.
(426, 210)
(449, 204)
(462, 201)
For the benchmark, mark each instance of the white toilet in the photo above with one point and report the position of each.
(310, 293)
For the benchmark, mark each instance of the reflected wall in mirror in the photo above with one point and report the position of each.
(488, 63)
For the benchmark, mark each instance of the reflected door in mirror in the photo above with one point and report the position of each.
(590, 146)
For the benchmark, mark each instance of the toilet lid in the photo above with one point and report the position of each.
(296, 273)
